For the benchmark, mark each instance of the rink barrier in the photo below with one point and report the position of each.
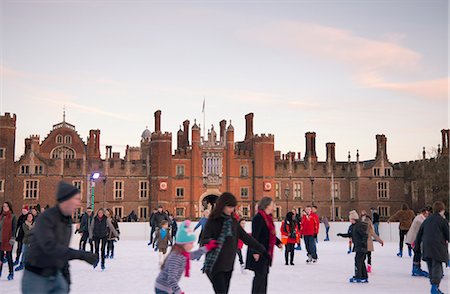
(388, 232)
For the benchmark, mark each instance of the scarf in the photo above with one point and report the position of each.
(187, 267)
(271, 227)
(212, 256)
(6, 231)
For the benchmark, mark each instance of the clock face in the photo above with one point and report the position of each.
(163, 186)
(267, 186)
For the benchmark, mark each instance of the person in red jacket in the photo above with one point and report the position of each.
(309, 229)
(289, 234)
(316, 216)
(240, 245)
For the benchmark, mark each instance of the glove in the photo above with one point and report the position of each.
(12, 241)
(90, 258)
(339, 234)
(211, 245)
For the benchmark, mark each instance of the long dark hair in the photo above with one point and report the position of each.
(289, 220)
(226, 199)
(9, 205)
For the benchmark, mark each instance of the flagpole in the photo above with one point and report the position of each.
(204, 124)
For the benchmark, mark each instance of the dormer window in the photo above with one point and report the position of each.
(68, 139)
(376, 171)
(59, 139)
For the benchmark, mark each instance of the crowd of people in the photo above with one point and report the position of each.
(43, 240)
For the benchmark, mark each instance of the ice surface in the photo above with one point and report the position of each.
(135, 267)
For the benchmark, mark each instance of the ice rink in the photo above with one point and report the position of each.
(135, 267)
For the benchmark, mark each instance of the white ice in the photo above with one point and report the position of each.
(135, 267)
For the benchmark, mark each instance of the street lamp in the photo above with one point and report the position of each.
(94, 177)
(286, 194)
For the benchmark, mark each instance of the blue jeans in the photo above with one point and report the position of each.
(157, 291)
(327, 230)
(375, 226)
(310, 243)
(33, 283)
(24, 251)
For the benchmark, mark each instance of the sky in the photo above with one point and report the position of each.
(347, 70)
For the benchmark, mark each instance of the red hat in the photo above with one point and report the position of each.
(25, 207)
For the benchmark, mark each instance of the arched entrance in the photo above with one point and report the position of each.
(207, 201)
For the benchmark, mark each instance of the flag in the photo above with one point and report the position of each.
(203, 108)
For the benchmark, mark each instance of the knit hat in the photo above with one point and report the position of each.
(185, 234)
(353, 215)
(66, 191)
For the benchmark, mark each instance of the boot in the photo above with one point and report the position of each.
(20, 267)
(400, 253)
(292, 258)
(16, 262)
(10, 276)
(435, 289)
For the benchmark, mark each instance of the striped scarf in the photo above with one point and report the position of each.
(212, 256)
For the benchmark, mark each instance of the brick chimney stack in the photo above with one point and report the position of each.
(249, 126)
(158, 121)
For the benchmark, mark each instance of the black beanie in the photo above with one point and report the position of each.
(66, 191)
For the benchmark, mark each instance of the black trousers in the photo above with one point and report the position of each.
(360, 266)
(221, 282)
(260, 283)
(369, 257)
(9, 259)
(289, 252)
(152, 232)
(110, 248)
(83, 241)
(435, 271)
(402, 238)
(97, 242)
(19, 249)
(239, 253)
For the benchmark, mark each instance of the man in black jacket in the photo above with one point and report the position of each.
(152, 225)
(433, 238)
(359, 237)
(85, 224)
(19, 233)
(47, 263)
(375, 220)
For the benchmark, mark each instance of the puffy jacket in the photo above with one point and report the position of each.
(288, 234)
(309, 226)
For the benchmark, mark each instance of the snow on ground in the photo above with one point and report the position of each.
(135, 268)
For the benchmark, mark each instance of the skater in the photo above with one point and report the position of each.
(173, 229)
(316, 216)
(326, 223)
(111, 237)
(240, 245)
(411, 237)
(297, 221)
(405, 216)
(201, 224)
(433, 238)
(85, 224)
(224, 228)
(372, 236)
(28, 226)
(359, 236)
(263, 230)
(375, 220)
(289, 235)
(178, 260)
(19, 233)
(162, 239)
(152, 226)
(8, 223)
(48, 255)
(309, 231)
(99, 235)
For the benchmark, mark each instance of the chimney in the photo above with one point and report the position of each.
(445, 142)
(249, 126)
(310, 146)
(158, 121)
(93, 144)
(180, 139)
(331, 154)
(186, 133)
(223, 127)
(381, 147)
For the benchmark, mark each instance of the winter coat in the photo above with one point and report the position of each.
(358, 233)
(414, 229)
(26, 232)
(433, 238)
(174, 228)
(158, 217)
(288, 234)
(405, 217)
(100, 228)
(85, 222)
(225, 260)
(309, 226)
(261, 234)
(8, 247)
(316, 216)
(19, 230)
(111, 234)
(49, 243)
(375, 217)
(371, 235)
(162, 243)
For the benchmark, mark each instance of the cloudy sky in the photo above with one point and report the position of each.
(347, 70)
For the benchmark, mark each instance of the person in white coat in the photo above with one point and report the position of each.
(411, 237)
